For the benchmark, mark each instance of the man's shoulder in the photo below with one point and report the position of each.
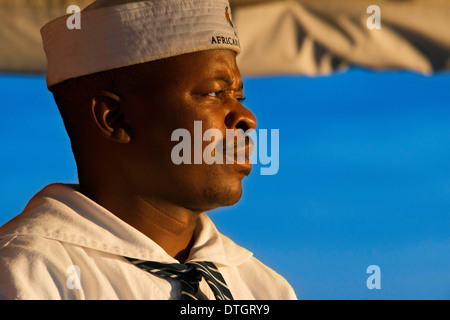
(19, 246)
(33, 267)
(24, 237)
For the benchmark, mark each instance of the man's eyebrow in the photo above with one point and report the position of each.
(229, 81)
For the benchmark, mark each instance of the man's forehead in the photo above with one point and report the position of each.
(219, 67)
(192, 68)
(212, 64)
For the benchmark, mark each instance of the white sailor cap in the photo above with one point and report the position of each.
(119, 33)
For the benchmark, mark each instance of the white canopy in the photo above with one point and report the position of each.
(279, 36)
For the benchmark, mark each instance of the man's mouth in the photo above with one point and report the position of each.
(239, 154)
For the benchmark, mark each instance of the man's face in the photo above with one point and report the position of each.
(171, 94)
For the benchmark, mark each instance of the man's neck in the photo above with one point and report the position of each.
(170, 226)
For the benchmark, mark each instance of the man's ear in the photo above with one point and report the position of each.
(107, 111)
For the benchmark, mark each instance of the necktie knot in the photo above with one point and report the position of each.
(189, 275)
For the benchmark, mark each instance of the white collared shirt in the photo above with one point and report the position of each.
(66, 246)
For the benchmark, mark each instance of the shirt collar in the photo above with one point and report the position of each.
(61, 213)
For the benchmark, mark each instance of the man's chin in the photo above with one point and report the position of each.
(213, 199)
(231, 200)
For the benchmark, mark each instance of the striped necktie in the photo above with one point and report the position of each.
(189, 275)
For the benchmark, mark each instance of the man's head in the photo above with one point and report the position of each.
(136, 72)
(121, 122)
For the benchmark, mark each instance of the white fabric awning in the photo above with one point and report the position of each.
(278, 37)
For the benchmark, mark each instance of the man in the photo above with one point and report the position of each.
(135, 227)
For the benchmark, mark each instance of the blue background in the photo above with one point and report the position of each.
(364, 178)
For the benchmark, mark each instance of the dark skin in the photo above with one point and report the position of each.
(126, 165)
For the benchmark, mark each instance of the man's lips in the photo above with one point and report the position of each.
(240, 155)
(235, 152)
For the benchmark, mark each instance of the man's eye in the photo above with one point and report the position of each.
(214, 94)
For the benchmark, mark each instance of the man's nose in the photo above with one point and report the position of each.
(239, 117)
